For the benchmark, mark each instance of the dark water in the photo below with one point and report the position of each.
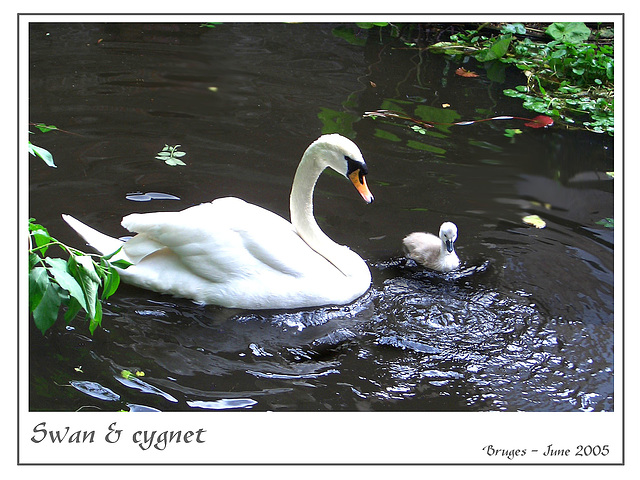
(526, 324)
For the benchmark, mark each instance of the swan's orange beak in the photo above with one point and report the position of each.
(357, 178)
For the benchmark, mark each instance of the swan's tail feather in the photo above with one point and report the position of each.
(101, 242)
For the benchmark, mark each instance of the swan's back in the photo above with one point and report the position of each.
(231, 253)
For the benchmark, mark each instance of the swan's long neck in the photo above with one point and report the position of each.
(301, 205)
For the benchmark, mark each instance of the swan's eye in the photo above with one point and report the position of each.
(353, 165)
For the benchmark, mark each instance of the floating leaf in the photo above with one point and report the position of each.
(146, 197)
(512, 132)
(173, 162)
(170, 155)
(463, 72)
(606, 222)
(535, 221)
(541, 121)
(95, 390)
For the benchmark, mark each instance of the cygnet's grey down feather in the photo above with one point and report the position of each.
(435, 253)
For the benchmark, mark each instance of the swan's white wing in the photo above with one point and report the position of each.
(218, 241)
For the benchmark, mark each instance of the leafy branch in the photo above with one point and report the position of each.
(73, 283)
(568, 77)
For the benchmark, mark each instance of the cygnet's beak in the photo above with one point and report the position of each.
(358, 180)
(449, 245)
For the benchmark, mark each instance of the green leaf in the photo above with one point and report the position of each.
(73, 309)
(89, 267)
(36, 226)
(606, 222)
(59, 272)
(34, 259)
(46, 313)
(111, 283)
(121, 264)
(170, 155)
(368, 25)
(96, 321)
(41, 237)
(174, 161)
(89, 282)
(497, 50)
(569, 32)
(45, 128)
(43, 154)
(38, 284)
(514, 28)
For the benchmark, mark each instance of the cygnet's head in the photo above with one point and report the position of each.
(448, 234)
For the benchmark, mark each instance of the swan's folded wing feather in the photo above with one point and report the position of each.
(222, 239)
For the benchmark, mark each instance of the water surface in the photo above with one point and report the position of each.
(525, 324)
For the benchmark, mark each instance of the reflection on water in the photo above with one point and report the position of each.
(525, 324)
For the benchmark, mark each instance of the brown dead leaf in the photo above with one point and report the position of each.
(463, 72)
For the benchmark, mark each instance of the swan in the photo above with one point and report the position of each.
(237, 255)
(433, 252)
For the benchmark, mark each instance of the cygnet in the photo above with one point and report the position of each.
(433, 252)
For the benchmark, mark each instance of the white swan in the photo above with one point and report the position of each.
(433, 252)
(238, 255)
